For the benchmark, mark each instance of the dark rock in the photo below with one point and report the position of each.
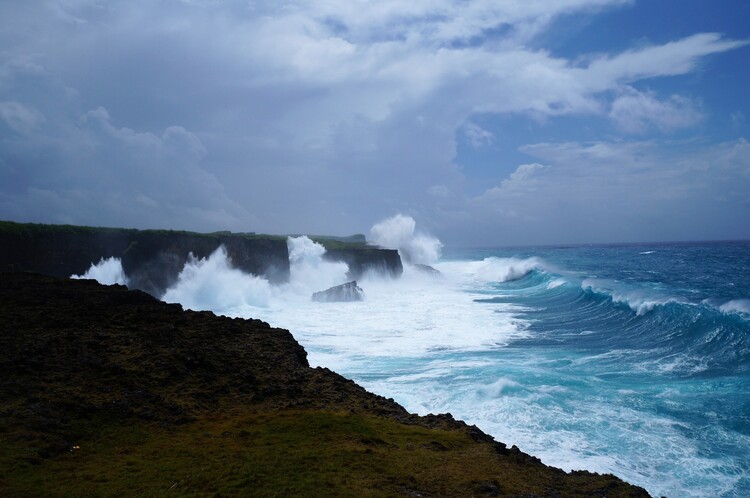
(488, 488)
(364, 259)
(347, 292)
(428, 270)
(153, 259)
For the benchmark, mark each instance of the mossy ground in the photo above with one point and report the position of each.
(108, 392)
(281, 453)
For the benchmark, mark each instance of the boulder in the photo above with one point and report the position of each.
(428, 270)
(349, 291)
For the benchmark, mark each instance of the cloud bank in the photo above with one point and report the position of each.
(323, 116)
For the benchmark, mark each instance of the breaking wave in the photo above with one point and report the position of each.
(107, 271)
(212, 284)
(641, 301)
(309, 270)
(399, 232)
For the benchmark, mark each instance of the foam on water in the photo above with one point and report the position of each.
(414, 316)
(554, 284)
(738, 306)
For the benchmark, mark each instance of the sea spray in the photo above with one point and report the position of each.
(399, 232)
(309, 271)
(107, 271)
(212, 284)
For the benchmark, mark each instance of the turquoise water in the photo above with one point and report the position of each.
(630, 359)
(641, 352)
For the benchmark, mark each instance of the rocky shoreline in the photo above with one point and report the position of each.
(86, 368)
(153, 259)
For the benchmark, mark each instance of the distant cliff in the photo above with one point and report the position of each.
(152, 259)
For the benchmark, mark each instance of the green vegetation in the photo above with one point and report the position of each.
(29, 229)
(281, 453)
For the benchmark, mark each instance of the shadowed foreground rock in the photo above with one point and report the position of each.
(105, 391)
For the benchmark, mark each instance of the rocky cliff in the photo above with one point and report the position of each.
(152, 259)
(363, 259)
(109, 392)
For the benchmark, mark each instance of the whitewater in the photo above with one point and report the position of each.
(630, 359)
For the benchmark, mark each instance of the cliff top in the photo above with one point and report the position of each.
(31, 229)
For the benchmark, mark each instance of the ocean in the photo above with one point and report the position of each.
(624, 359)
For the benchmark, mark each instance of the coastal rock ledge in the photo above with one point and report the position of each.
(110, 392)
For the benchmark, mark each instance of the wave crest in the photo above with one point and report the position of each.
(736, 306)
(640, 301)
(507, 269)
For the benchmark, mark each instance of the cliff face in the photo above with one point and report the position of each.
(362, 259)
(151, 259)
(105, 391)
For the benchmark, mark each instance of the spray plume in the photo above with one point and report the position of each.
(399, 232)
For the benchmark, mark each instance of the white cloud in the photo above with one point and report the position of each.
(523, 181)
(523, 176)
(476, 135)
(82, 168)
(19, 117)
(670, 59)
(287, 116)
(621, 191)
(638, 112)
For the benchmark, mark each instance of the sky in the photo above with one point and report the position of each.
(488, 122)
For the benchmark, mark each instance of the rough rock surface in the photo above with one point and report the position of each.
(363, 259)
(347, 292)
(75, 355)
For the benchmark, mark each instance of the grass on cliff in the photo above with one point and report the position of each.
(266, 454)
(286, 453)
(31, 229)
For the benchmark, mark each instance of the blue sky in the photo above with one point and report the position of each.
(489, 123)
